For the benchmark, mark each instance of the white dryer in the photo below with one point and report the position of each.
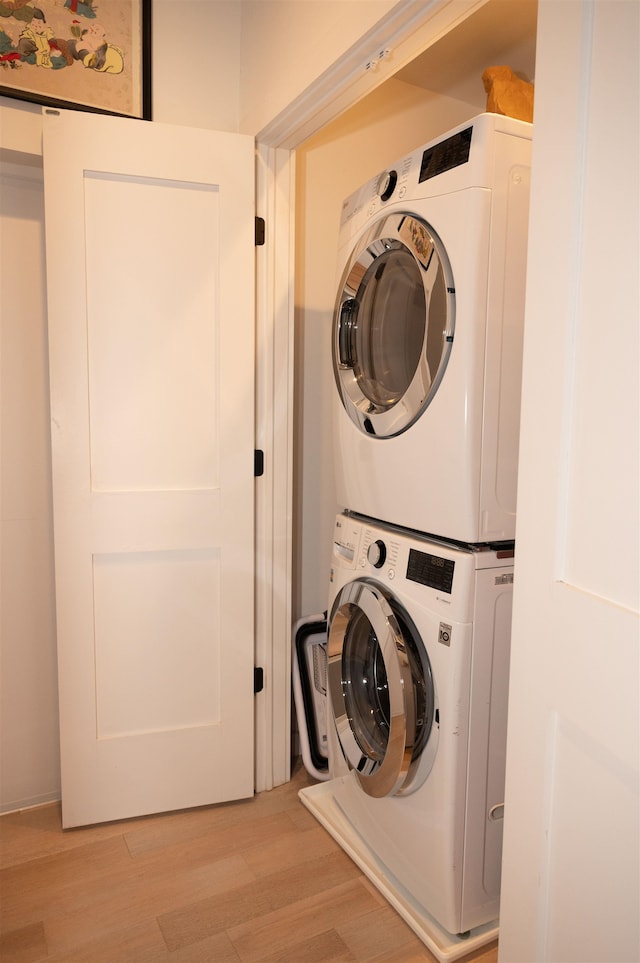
(418, 662)
(427, 335)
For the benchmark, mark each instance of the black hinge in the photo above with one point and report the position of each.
(258, 462)
(258, 678)
(260, 231)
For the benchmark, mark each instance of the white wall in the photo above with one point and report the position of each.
(29, 762)
(393, 120)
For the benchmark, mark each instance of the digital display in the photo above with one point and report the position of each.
(431, 570)
(449, 153)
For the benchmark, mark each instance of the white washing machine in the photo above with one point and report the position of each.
(427, 335)
(417, 681)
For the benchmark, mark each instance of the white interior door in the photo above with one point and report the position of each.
(571, 869)
(150, 264)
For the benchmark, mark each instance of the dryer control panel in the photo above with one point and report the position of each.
(447, 154)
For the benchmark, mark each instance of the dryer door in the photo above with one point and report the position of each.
(393, 324)
(381, 690)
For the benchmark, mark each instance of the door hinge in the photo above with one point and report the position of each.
(258, 462)
(258, 679)
(260, 231)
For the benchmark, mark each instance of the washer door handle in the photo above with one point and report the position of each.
(347, 323)
(386, 776)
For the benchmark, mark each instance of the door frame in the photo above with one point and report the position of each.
(408, 29)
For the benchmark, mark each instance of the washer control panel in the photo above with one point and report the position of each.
(346, 542)
(377, 553)
(431, 570)
(422, 573)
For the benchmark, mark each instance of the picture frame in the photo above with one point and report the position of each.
(92, 55)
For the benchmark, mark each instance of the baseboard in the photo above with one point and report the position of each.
(33, 802)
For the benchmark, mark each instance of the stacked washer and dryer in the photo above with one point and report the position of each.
(427, 348)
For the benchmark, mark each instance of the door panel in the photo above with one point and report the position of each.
(150, 288)
(571, 870)
(143, 343)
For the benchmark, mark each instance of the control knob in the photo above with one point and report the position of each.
(387, 184)
(377, 553)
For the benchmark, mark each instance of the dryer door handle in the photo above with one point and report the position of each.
(347, 325)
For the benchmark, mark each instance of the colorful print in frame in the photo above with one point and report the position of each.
(83, 54)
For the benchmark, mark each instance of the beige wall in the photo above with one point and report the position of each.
(287, 44)
(29, 764)
(233, 65)
(236, 64)
(196, 63)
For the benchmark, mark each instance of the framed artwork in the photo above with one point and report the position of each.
(90, 55)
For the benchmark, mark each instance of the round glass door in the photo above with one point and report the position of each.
(393, 324)
(381, 690)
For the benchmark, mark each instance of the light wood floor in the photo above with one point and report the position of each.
(254, 881)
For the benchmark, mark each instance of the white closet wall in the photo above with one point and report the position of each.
(29, 762)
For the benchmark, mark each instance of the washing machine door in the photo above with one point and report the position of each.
(393, 324)
(381, 690)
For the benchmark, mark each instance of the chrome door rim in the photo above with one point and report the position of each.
(393, 772)
(392, 232)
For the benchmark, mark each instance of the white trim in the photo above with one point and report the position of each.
(274, 490)
(408, 30)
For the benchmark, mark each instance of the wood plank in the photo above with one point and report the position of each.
(247, 882)
(273, 936)
(28, 943)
